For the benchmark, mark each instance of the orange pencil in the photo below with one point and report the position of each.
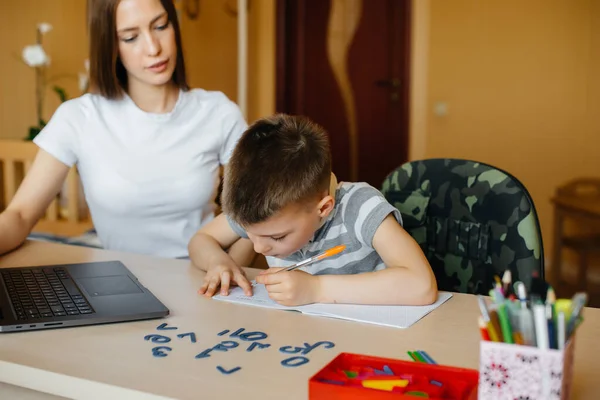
(327, 253)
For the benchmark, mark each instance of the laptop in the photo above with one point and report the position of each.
(59, 296)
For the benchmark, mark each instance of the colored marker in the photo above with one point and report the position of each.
(577, 304)
(498, 282)
(483, 329)
(561, 328)
(495, 320)
(541, 325)
(487, 319)
(521, 293)
(506, 280)
(412, 356)
(550, 314)
(526, 326)
(505, 324)
(419, 357)
(427, 357)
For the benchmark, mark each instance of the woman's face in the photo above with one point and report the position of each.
(147, 46)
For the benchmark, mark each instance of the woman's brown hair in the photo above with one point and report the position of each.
(108, 76)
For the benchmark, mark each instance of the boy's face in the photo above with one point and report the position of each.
(290, 229)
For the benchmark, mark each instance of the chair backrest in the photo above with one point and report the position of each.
(67, 214)
(472, 220)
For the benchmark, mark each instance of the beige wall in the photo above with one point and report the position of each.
(521, 83)
(66, 45)
(261, 59)
(210, 45)
(419, 69)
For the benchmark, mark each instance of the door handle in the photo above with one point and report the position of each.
(392, 83)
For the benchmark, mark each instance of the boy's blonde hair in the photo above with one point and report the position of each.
(279, 160)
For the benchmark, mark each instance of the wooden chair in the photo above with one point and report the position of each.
(579, 200)
(67, 214)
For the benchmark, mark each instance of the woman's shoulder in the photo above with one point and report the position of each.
(75, 108)
(83, 104)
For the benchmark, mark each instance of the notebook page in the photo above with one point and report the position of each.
(260, 298)
(394, 316)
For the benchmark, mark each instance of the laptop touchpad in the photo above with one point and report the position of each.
(109, 285)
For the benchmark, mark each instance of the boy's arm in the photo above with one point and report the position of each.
(242, 252)
(207, 246)
(206, 252)
(407, 280)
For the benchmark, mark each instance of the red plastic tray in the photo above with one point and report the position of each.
(456, 383)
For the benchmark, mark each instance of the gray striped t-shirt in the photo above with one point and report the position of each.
(359, 210)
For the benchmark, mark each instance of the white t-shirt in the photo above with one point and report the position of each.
(150, 180)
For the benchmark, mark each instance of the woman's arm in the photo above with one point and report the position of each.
(41, 184)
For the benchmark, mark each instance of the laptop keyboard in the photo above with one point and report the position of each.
(44, 293)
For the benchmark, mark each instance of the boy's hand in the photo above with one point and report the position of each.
(291, 288)
(224, 276)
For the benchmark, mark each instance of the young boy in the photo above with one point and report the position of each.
(280, 193)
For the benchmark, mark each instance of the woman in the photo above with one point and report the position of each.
(147, 148)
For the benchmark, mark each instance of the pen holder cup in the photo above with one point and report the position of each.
(511, 371)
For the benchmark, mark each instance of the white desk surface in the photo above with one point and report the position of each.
(114, 361)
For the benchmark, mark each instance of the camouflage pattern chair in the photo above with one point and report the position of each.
(473, 221)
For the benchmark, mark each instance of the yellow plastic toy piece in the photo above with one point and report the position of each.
(385, 385)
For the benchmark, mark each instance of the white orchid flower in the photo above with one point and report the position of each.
(35, 56)
(44, 28)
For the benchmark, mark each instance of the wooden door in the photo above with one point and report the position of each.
(345, 64)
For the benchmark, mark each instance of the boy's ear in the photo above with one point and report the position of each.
(325, 206)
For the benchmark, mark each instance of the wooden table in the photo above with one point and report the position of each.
(584, 206)
(114, 360)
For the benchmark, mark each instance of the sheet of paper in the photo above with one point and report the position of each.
(260, 297)
(394, 316)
